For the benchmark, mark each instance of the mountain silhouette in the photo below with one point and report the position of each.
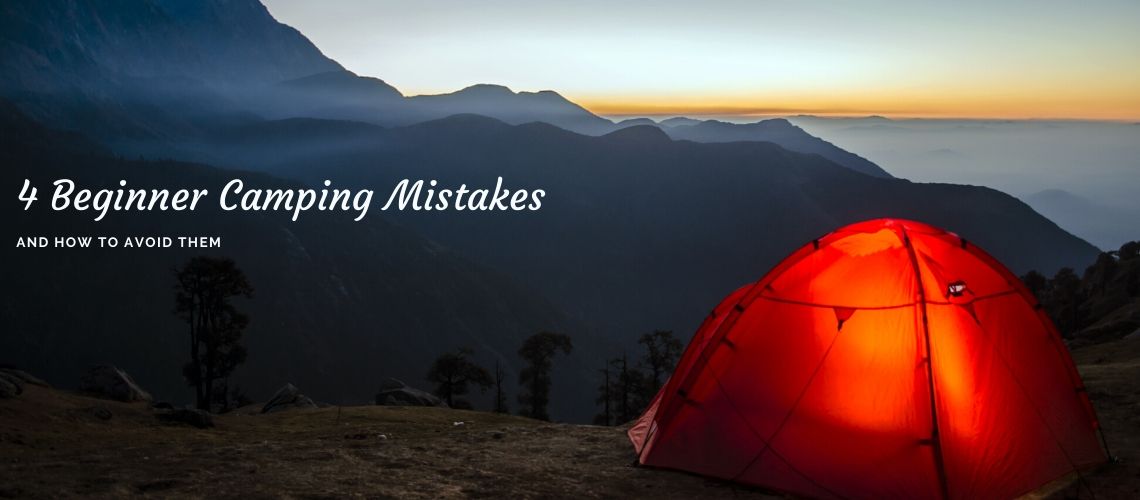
(643, 227)
(777, 131)
(147, 69)
(512, 107)
(338, 305)
(165, 72)
(1100, 223)
(660, 226)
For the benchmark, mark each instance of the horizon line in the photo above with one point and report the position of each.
(621, 110)
(855, 116)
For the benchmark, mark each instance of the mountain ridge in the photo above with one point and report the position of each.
(237, 64)
(338, 305)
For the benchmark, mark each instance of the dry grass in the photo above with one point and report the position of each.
(53, 444)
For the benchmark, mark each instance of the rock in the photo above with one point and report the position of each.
(498, 435)
(190, 416)
(106, 381)
(287, 398)
(396, 393)
(102, 413)
(9, 389)
(14, 380)
(24, 376)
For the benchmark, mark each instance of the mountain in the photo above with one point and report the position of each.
(152, 77)
(150, 69)
(61, 43)
(635, 121)
(639, 231)
(338, 305)
(503, 104)
(678, 121)
(1102, 224)
(338, 94)
(777, 131)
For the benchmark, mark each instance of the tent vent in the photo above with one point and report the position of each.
(956, 288)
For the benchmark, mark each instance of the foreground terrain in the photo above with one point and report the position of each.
(56, 444)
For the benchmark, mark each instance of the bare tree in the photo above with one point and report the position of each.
(205, 286)
(453, 372)
(538, 350)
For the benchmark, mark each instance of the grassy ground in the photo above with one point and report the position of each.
(54, 444)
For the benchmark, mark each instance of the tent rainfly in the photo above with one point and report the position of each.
(886, 359)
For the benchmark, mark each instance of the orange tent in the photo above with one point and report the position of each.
(886, 359)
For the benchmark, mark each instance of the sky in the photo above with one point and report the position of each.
(972, 59)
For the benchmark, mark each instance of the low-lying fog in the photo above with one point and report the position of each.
(1085, 176)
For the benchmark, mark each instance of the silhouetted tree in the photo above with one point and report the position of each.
(605, 396)
(629, 391)
(453, 372)
(1076, 304)
(500, 394)
(205, 286)
(538, 351)
(661, 352)
(1129, 251)
(1100, 274)
(1065, 299)
(1037, 284)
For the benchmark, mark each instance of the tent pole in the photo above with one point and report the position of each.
(935, 437)
(1100, 430)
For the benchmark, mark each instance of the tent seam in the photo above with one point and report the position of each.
(767, 445)
(936, 437)
(787, 416)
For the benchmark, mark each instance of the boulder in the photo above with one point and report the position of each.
(9, 390)
(287, 398)
(396, 393)
(11, 384)
(102, 413)
(109, 382)
(190, 416)
(24, 376)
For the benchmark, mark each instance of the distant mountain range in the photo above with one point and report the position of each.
(1103, 224)
(169, 71)
(646, 225)
(1080, 174)
(338, 305)
(641, 231)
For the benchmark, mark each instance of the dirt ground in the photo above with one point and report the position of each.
(54, 444)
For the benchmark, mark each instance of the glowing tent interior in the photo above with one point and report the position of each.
(814, 380)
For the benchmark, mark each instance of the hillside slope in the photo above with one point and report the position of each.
(639, 231)
(338, 305)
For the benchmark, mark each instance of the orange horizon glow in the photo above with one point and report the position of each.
(987, 60)
(1108, 107)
